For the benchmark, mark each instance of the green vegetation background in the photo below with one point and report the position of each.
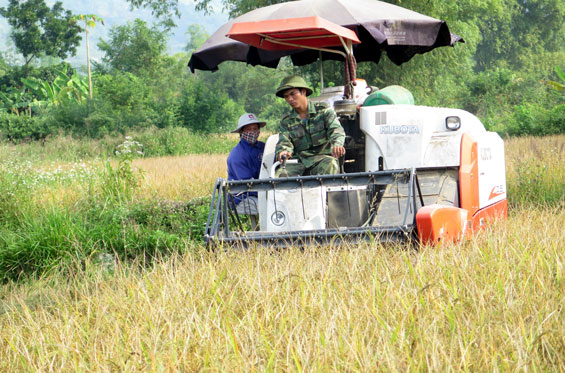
(506, 73)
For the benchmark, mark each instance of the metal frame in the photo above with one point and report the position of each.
(347, 45)
(218, 228)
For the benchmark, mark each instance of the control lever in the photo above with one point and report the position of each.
(283, 172)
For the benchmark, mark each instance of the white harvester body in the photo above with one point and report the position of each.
(396, 137)
(407, 136)
(409, 171)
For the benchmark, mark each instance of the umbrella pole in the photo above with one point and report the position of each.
(321, 70)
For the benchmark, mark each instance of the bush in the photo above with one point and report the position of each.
(97, 118)
(181, 141)
(35, 240)
(55, 236)
(13, 77)
(202, 109)
(21, 128)
(536, 120)
(91, 118)
(514, 103)
(554, 121)
(123, 91)
(167, 141)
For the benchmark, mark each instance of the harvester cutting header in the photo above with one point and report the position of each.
(409, 172)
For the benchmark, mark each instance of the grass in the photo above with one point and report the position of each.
(494, 302)
(536, 170)
(180, 178)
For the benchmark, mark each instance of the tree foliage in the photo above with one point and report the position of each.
(504, 73)
(66, 87)
(134, 47)
(3, 65)
(166, 10)
(523, 35)
(38, 29)
(197, 35)
(234, 7)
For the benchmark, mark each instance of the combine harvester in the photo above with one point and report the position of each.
(410, 172)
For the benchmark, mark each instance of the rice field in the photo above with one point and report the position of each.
(182, 177)
(493, 303)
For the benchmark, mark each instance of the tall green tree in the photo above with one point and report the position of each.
(135, 47)
(197, 35)
(38, 29)
(528, 34)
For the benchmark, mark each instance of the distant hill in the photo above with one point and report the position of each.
(117, 12)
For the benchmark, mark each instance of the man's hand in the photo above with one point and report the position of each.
(284, 153)
(338, 151)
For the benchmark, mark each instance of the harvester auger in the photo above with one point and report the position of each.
(343, 206)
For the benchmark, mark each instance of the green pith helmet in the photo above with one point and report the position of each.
(293, 81)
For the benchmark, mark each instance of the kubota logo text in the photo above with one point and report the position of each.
(399, 130)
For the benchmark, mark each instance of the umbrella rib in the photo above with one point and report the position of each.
(348, 47)
(265, 37)
(298, 37)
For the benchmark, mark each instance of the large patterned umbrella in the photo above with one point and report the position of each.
(379, 27)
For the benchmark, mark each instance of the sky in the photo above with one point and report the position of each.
(115, 13)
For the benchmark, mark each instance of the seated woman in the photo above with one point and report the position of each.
(244, 161)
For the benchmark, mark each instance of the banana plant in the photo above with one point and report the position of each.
(16, 101)
(62, 89)
(556, 85)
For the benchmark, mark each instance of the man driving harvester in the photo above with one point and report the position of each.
(309, 133)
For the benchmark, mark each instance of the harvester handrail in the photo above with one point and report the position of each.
(354, 179)
(208, 230)
(410, 193)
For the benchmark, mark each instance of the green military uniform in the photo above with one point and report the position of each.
(311, 140)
